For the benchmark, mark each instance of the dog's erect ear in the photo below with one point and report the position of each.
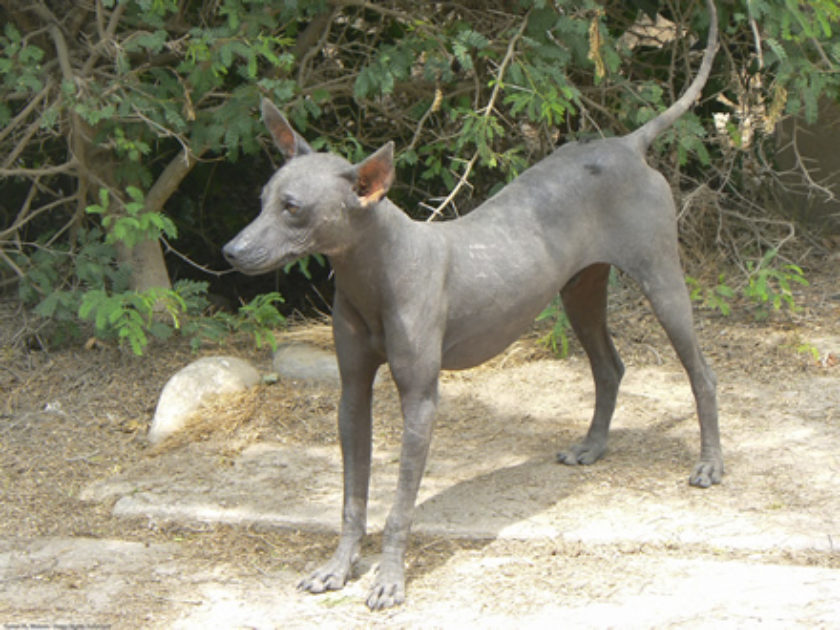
(286, 138)
(372, 178)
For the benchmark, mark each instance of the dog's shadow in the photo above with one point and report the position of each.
(519, 501)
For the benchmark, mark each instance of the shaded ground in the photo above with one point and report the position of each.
(97, 528)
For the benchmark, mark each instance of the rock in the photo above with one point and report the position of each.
(303, 361)
(184, 392)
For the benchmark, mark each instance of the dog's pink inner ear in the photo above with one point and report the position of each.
(289, 143)
(374, 176)
(284, 137)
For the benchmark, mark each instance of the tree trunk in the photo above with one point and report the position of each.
(146, 258)
(148, 269)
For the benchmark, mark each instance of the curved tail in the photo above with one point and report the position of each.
(644, 135)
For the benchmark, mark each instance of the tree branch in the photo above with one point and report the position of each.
(105, 37)
(62, 53)
(488, 110)
(169, 180)
(25, 216)
(11, 264)
(31, 130)
(435, 106)
(372, 6)
(24, 113)
(311, 41)
(43, 171)
(191, 262)
(805, 171)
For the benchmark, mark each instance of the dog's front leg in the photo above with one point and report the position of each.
(358, 368)
(419, 400)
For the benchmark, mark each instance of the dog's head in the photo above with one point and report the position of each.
(308, 205)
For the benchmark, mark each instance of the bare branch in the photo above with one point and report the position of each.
(25, 216)
(488, 111)
(43, 171)
(11, 264)
(22, 143)
(306, 49)
(166, 133)
(62, 53)
(372, 6)
(24, 210)
(757, 42)
(28, 108)
(806, 173)
(191, 262)
(169, 180)
(435, 105)
(106, 36)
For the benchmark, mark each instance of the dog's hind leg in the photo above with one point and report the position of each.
(585, 302)
(664, 286)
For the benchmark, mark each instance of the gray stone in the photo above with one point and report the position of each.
(188, 388)
(305, 362)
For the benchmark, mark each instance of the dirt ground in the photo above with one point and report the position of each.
(99, 529)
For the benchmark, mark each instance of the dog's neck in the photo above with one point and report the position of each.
(381, 247)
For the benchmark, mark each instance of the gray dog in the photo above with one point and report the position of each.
(449, 295)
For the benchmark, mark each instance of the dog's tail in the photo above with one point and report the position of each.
(644, 135)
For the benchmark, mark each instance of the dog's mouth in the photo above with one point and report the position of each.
(256, 269)
(254, 263)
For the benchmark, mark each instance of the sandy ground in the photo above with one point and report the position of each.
(97, 528)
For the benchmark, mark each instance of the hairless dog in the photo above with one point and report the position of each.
(449, 295)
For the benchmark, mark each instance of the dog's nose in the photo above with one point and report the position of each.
(231, 252)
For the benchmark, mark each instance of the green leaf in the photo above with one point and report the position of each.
(48, 306)
(160, 330)
(135, 193)
(152, 42)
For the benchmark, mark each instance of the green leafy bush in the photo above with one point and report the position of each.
(98, 294)
(134, 224)
(109, 107)
(718, 297)
(770, 287)
(132, 315)
(257, 319)
(557, 339)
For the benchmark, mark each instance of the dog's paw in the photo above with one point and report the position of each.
(388, 589)
(330, 577)
(587, 452)
(706, 473)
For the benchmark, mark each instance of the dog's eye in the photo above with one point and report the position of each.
(291, 207)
